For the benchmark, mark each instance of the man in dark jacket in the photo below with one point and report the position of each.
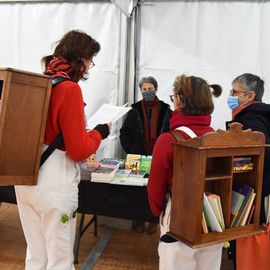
(245, 101)
(147, 119)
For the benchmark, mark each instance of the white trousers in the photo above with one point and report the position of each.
(178, 256)
(50, 239)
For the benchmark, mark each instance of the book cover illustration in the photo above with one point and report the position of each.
(133, 162)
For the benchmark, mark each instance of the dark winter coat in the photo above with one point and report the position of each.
(132, 131)
(257, 118)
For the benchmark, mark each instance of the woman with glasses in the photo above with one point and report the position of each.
(193, 105)
(147, 119)
(47, 210)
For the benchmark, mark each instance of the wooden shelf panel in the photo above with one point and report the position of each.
(216, 237)
(242, 171)
(217, 176)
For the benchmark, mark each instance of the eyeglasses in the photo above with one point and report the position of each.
(172, 97)
(234, 92)
(92, 64)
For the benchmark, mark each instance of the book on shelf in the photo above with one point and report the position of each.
(250, 215)
(215, 203)
(204, 224)
(210, 217)
(244, 219)
(247, 192)
(237, 200)
(267, 208)
(242, 164)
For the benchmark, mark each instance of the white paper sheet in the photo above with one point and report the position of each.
(107, 113)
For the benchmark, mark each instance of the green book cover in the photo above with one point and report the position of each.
(145, 163)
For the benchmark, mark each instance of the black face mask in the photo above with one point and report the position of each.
(149, 95)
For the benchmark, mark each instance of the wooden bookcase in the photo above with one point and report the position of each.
(206, 164)
(24, 102)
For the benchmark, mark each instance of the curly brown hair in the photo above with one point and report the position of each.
(74, 46)
(195, 94)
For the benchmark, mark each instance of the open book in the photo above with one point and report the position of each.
(107, 113)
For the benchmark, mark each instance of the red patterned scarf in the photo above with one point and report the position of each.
(59, 67)
(150, 131)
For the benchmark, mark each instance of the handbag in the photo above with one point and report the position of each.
(253, 252)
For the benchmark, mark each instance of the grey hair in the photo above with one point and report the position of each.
(149, 79)
(251, 82)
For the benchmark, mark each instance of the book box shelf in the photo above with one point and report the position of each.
(24, 102)
(206, 164)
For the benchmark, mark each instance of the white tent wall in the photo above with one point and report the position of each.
(29, 30)
(215, 40)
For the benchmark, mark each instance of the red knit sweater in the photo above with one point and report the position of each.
(160, 178)
(66, 115)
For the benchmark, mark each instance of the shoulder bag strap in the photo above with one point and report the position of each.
(58, 140)
(166, 238)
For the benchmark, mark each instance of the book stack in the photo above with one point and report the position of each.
(103, 174)
(212, 216)
(110, 163)
(120, 177)
(242, 164)
(242, 205)
(129, 178)
(89, 166)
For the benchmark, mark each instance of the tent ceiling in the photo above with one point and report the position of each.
(156, 1)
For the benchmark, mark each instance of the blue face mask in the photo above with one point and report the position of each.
(233, 102)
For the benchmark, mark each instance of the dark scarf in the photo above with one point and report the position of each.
(150, 125)
(59, 67)
(241, 108)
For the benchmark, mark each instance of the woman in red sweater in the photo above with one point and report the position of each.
(192, 100)
(47, 210)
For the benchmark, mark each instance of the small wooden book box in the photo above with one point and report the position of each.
(24, 102)
(206, 164)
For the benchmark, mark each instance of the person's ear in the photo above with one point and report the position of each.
(251, 96)
(180, 101)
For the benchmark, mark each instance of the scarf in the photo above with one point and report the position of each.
(199, 124)
(241, 108)
(59, 67)
(150, 123)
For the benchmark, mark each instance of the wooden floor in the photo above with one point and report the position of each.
(126, 249)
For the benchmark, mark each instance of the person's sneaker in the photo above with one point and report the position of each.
(138, 226)
(152, 228)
